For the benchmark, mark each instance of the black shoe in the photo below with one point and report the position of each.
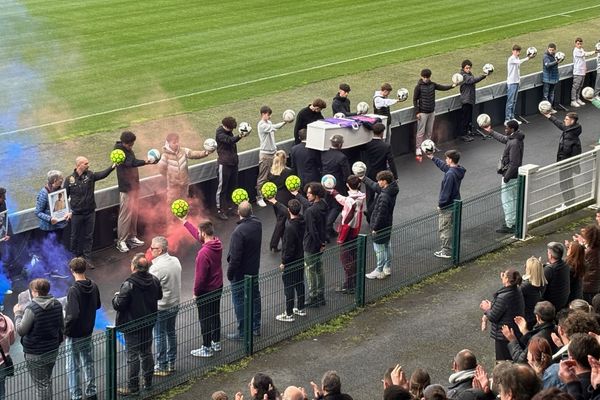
(506, 229)
(222, 215)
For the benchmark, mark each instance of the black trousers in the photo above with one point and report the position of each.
(293, 286)
(209, 314)
(82, 234)
(466, 119)
(278, 229)
(138, 346)
(227, 176)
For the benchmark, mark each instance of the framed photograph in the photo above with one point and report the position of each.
(3, 224)
(59, 206)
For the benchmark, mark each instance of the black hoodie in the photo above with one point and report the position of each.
(341, 105)
(383, 210)
(128, 176)
(137, 297)
(83, 299)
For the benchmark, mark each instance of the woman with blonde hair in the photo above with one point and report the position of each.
(278, 174)
(533, 286)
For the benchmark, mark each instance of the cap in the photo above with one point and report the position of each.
(557, 249)
(345, 87)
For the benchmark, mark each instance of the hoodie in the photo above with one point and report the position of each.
(83, 299)
(341, 105)
(352, 213)
(292, 248)
(450, 189)
(128, 176)
(512, 157)
(208, 274)
(40, 325)
(569, 144)
(137, 297)
(383, 210)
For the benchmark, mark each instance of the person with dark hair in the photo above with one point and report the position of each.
(544, 327)
(502, 310)
(331, 387)
(305, 162)
(173, 165)
(262, 387)
(208, 286)
(381, 219)
(395, 392)
(463, 368)
(292, 261)
(244, 259)
(467, 99)
(267, 149)
(508, 167)
(519, 382)
(450, 191)
(308, 114)
(341, 102)
(227, 162)
(550, 76)
(47, 223)
(590, 239)
(417, 383)
(513, 80)
(278, 175)
(83, 300)
(137, 298)
(315, 214)
(382, 104)
(334, 162)
(435, 392)
(557, 272)
(575, 372)
(576, 261)
(424, 103)
(579, 71)
(552, 393)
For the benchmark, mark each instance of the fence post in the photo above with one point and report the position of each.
(456, 229)
(597, 175)
(111, 363)
(248, 313)
(525, 173)
(361, 268)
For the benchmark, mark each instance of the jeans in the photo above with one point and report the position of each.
(166, 338)
(512, 91)
(383, 254)
(548, 92)
(445, 229)
(315, 280)
(209, 314)
(237, 296)
(80, 354)
(138, 346)
(40, 369)
(508, 196)
(293, 285)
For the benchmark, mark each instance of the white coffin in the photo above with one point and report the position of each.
(318, 134)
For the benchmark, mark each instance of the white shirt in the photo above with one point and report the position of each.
(381, 102)
(514, 69)
(579, 65)
(266, 135)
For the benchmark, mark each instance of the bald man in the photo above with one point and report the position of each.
(80, 187)
(293, 393)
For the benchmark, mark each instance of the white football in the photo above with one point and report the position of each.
(598, 46)
(153, 155)
(339, 115)
(457, 78)
(328, 181)
(545, 107)
(210, 144)
(428, 146)
(531, 51)
(359, 168)
(559, 55)
(402, 94)
(587, 93)
(488, 68)
(244, 128)
(362, 108)
(289, 115)
(484, 120)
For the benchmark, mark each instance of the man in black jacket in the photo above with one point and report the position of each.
(244, 259)
(306, 163)
(557, 274)
(335, 162)
(137, 300)
(341, 102)
(227, 162)
(512, 159)
(308, 114)
(292, 261)
(568, 146)
(467, 99)
(463, 368)
(83, 299)
(128, 179)
(80, 186)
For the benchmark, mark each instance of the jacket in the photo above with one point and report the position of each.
(81, 188)
(292, 249)
(83, 299)
(531, 296)
(591, 277)
(549, 68)
(512, 157)
(450, 189)
(168, 271)
(424, 95)
(306, 163)
(7, 335)
(303, 118)
(335, 162)
(341, 105)
(283, 195)
(41, 325)
(378, 156)
(506, 305)
(128, 176)
(569, 144)
(174, 164)
(227, 147)
(459, 382)
(208, 274)
(315, 215)
(383, 211)
(42, 211)
(244, 249)
(137, 298)
(352, 214)
(467, 87)
(575, 287)
(559, 283)
(518, 348)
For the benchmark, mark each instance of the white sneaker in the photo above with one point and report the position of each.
(299, 312)
(135, 242)
(202, 352)
(261, 203)
(442, 254)
(122, 246)
(562, 207)
(387, 271)
(581, 102)
(575, 104)
(215, 346)
(418, 152)
(285, 318)
(518, 121)
(375, 275)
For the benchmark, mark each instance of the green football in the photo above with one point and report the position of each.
(292, 183)
(180, 208)
(117, 156)
(239, 195)
(269, 190)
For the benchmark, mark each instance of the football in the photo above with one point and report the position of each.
(292, 183)
(484, 120)
(269, 190)
(289, 115)
(359, 168)
(531, 51)
(117, 156)
(244, 128)
(598, 46)
(210, 144)
(488, 68)
(559, 56)
(428, 146)
(545, 107)
(239, 195)
(457, 78)
(587, 93)
(362, 108)
(339, 115)
(328, 181)
(180, 208)
(402, 94)
(153, 155)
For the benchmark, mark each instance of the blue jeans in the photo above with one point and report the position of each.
(80, 354)
(237, 297)
(508, 195)
(548, 92)
(166, 337)
(383, 254)
(512, 91)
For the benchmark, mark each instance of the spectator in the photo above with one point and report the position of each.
(7, 338)
(507, 304)
(173, 165)
(386, 189)
(334, 162)
(552, 393)
(41, 327)
(556, 272)
(576, 261)
(81, 185)
(293, 393)
(341, 102)
(83, 300)
(539, 357)
(262, 387)
(244, 259)
(544, 314)
(575, 373)
(532, 287)
(278, 174)
(167, 269)
(219, 395)
(467, 99)
(331, 387)
(268, 149)
(128, 179)
(419, 380)
(580, 305)
(590, 238)
(463, 367)
(579, 71)
(308, 114)
(519, 382)
(513, 80)
(395, 392)
(550, 75)
(306, 163)
(227, 161)
(136, 299)
(435, 392)
(208, 286)
(381, 102)
(47, 223)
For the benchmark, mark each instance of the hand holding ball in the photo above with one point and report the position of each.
(117, 156)
(239, 195)
(293, 183)
(484, 120)
(488, 68)
(359, 169)
(244, 128)
(210, 145)
(457, 79)
(402, 94)
(328, 181)
(531, 52)
(269, 190)
(545, 107)
(180, 208)
(289, 116)
(428, 146)
(362, 108)
(153, 156)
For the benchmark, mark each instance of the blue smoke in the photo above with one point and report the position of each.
(50, 260)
